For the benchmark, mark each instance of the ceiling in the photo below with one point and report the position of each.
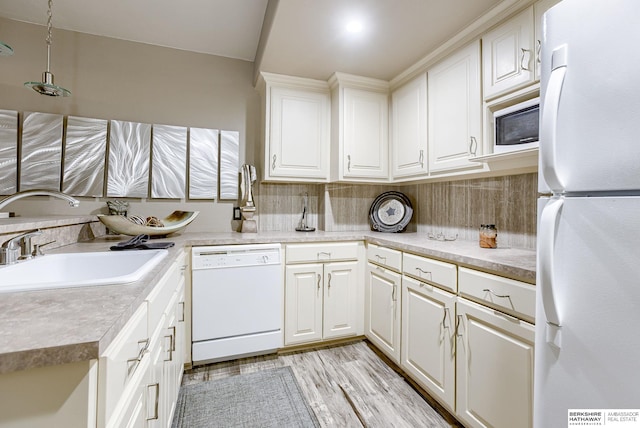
(302, 37)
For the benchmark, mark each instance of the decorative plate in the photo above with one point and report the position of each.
(390, 212)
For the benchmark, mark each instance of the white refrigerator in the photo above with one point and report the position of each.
(587, 354)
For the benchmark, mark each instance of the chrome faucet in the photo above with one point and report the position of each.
(38, 192)
(18, 247)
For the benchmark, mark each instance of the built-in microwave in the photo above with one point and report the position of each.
(517, 127)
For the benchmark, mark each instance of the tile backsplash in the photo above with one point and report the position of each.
(454, 207)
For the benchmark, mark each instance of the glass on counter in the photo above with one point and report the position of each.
(488, 236)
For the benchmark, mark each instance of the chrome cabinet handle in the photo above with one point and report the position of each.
(380, 258)
(273, 164)
(393, 293)
(329, 281)
(181, 318)
(525, 65)
(169, 350)
(349, 163)
(319, 280)
(157, 401)
(173, 337)
(473, 145)
(458, 323)
(425, 272)
(444, 318)
(136, 361)
(538, 51)
(502, 296)
(324, 253)
(421, 159)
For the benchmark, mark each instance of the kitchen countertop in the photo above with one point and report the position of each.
(50, 327)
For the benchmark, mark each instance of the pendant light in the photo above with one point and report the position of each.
(47, 87)
(5, 49)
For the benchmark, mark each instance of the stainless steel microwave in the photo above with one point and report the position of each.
(517, 127)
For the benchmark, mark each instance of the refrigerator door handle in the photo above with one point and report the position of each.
(548, 223)
(549, 119)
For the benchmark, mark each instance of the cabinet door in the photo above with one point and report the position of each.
(382, 310)
(508, 55)
(340, 299)
(495, 352)
(455, 113)
(365, 118)
(299, 134)
(409, 129)
(303, 304)
(428, 338)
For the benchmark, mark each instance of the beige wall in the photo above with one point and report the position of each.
(115, 79)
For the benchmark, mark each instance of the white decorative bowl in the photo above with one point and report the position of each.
(174, 222)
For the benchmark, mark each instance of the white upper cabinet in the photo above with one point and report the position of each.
(409, 129)
(539, 8)
(455, 111)
(360, 128)
(297, 128)
(509, 55)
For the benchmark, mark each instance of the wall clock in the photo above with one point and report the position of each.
(390, 212)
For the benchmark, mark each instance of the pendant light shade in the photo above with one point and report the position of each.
(5, 49)
(47, 87)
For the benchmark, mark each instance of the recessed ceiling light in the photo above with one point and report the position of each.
(355, 26)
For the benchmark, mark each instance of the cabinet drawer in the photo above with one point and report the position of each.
(431, 271)
(321, 252)
(383, 256)
(119, 364)
(161, 294)
(507, 295)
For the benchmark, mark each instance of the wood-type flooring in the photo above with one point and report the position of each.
(348, 385)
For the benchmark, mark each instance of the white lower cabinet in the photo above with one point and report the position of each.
(323, 300)
(122, 370)
(475, 359)
(139, 374)
(428, 338)
(382, 309)
(494, 361)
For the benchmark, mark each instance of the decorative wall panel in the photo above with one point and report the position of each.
(84, 156)
(129, 149)
(41, 158)
(169, 162)
(8, 152)
(229, 164)
(203, 163)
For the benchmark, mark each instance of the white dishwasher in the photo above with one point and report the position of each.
(236, 301)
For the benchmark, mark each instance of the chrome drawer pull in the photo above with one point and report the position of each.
(157, 402)
(425, 272)
(136, 361)
(502, 296)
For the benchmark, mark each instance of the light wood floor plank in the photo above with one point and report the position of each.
(346, 386)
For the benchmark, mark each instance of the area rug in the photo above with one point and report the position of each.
(270, 398)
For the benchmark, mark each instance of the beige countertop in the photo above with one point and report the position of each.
(50, 327)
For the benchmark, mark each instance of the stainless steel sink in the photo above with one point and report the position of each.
(79, 270)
